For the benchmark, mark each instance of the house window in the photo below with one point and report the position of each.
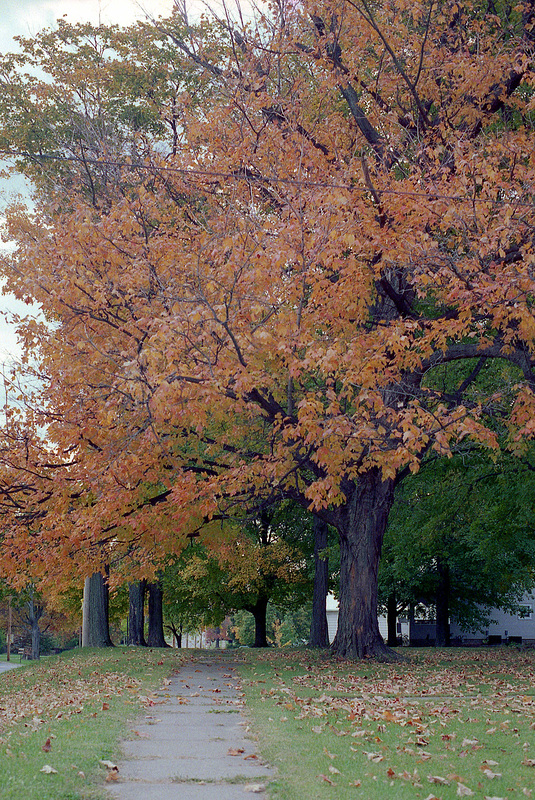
(525, 612)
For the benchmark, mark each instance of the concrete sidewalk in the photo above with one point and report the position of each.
(6, 665)
(193, 744)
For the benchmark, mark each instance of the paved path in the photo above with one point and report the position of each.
(5, 665)
(193, 744)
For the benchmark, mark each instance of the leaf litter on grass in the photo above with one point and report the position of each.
(73, 708)
(462, 720)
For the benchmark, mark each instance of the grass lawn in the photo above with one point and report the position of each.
(75, 706)
(444, 724)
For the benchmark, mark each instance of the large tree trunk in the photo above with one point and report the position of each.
(259, 612)
(155, 636)
(392, 619)
(136, 613)
(361, 524)
(95, 624)
(319, 632)
(443, 605)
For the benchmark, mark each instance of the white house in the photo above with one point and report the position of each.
(504, 627)
(332, 621)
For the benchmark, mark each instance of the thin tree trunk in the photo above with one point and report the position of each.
(392, 619)
(95, 623)
(35, 612)
(136, 613)
(361, 524)
(155, 636)
(443, 605)
(319, 631)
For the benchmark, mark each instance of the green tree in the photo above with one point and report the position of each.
(460, 537)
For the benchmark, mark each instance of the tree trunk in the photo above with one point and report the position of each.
(443, 605)
(259, 612)
(136, 613)
(35, 612)
(95, 624)
(361, 524)
(392, 619)
(319, 631)
(155, 637)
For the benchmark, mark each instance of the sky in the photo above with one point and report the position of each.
(26, 18)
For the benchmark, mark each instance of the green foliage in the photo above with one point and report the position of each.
(475, 515)
(285, 628)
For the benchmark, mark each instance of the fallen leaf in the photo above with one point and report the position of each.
(105, 706)
(529, 762)
(438, 779)
(375, 757)
(251, 755)
(48, 770)
(333, 770)
(466, 742)
(488, 773)
(235, 751)
(255, 787)
(47, 746)
(327, 779)
(463, 791)
(355, 783)
(108, 764)
(113, 775)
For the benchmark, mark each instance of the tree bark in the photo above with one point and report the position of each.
(259, 612)
(95, 623)
(155, 636)
(136, 613)
(361, 524)
(443, 605)
(34, 614)
(319, 631)
(392, 618)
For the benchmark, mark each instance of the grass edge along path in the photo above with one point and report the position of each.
(69, 713)
(445, 724)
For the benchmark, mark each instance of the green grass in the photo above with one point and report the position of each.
(339, 730)
(81, 701)
(333, 729)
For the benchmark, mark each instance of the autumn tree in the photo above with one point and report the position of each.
(261, 562)
(264, 312)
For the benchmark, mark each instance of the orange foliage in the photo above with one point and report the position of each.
(260, 313)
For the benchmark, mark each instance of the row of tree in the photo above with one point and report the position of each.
(285, 257)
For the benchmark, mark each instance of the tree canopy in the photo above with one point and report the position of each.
(259, 301)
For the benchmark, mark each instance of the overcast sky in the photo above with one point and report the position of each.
(26, 18)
